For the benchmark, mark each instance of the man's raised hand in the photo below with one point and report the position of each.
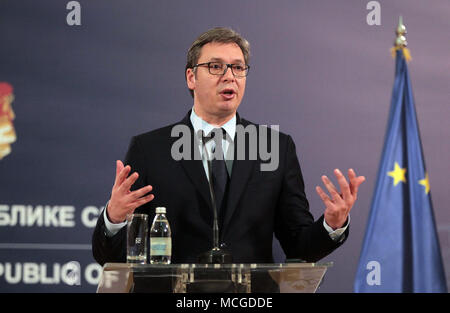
(338, 206)
(123, 201)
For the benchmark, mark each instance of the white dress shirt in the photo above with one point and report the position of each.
(227, 141)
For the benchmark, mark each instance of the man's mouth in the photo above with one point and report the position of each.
(228, 93)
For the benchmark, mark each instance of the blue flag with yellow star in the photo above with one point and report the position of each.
(400, 251)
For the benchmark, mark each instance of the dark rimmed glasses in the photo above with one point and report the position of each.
(218, 68)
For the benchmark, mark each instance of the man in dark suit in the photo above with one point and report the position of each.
(252, 203)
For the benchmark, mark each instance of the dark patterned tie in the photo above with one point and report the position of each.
(218, 167)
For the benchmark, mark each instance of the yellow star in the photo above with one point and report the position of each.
(398, 174)
(425, 182)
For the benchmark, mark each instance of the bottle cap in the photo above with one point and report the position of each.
(161, 210)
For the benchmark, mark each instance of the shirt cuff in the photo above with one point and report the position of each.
(336, 234)
(110, 228)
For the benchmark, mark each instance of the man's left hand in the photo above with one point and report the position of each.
(339, 205)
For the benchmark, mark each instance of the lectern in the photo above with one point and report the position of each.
(212, 278)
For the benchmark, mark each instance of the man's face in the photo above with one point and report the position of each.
(217, 97)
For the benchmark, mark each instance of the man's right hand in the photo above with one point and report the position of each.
(123, 201)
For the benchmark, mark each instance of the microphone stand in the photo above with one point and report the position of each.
(216, 255)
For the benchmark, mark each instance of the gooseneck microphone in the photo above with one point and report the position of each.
(216, 255)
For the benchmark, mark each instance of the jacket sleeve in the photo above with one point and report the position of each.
(300, 236)
(108, 249)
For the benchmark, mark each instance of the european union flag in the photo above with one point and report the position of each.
(401, 250)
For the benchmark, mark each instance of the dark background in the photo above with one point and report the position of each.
(318, 70)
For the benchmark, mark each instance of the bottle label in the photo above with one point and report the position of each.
(160, 246)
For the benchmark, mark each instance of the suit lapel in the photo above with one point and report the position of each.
(194, 168)
(240, 175)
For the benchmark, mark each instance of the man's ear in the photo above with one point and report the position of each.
(190, 78)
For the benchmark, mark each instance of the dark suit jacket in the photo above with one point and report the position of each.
(260, 204)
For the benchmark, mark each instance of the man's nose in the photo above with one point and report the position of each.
(228, 76)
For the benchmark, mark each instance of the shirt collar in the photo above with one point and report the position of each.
(199, 124)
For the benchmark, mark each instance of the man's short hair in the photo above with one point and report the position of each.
(220, 35)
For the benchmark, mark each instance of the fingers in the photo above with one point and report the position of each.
(140, 192)
(348, 190)
(331, 188)
(345, 188)
(352, 179)
(119, 208)
(126, 185)
(339, 206)
(323, 196)
(355, 181)
(121, 172)
(122, 181)
(142, 201)
(119, 167)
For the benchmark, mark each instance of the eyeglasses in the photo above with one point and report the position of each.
(218, 68)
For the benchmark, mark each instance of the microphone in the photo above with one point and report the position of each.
(216, 255)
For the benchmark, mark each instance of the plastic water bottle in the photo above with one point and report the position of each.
(160, 238)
